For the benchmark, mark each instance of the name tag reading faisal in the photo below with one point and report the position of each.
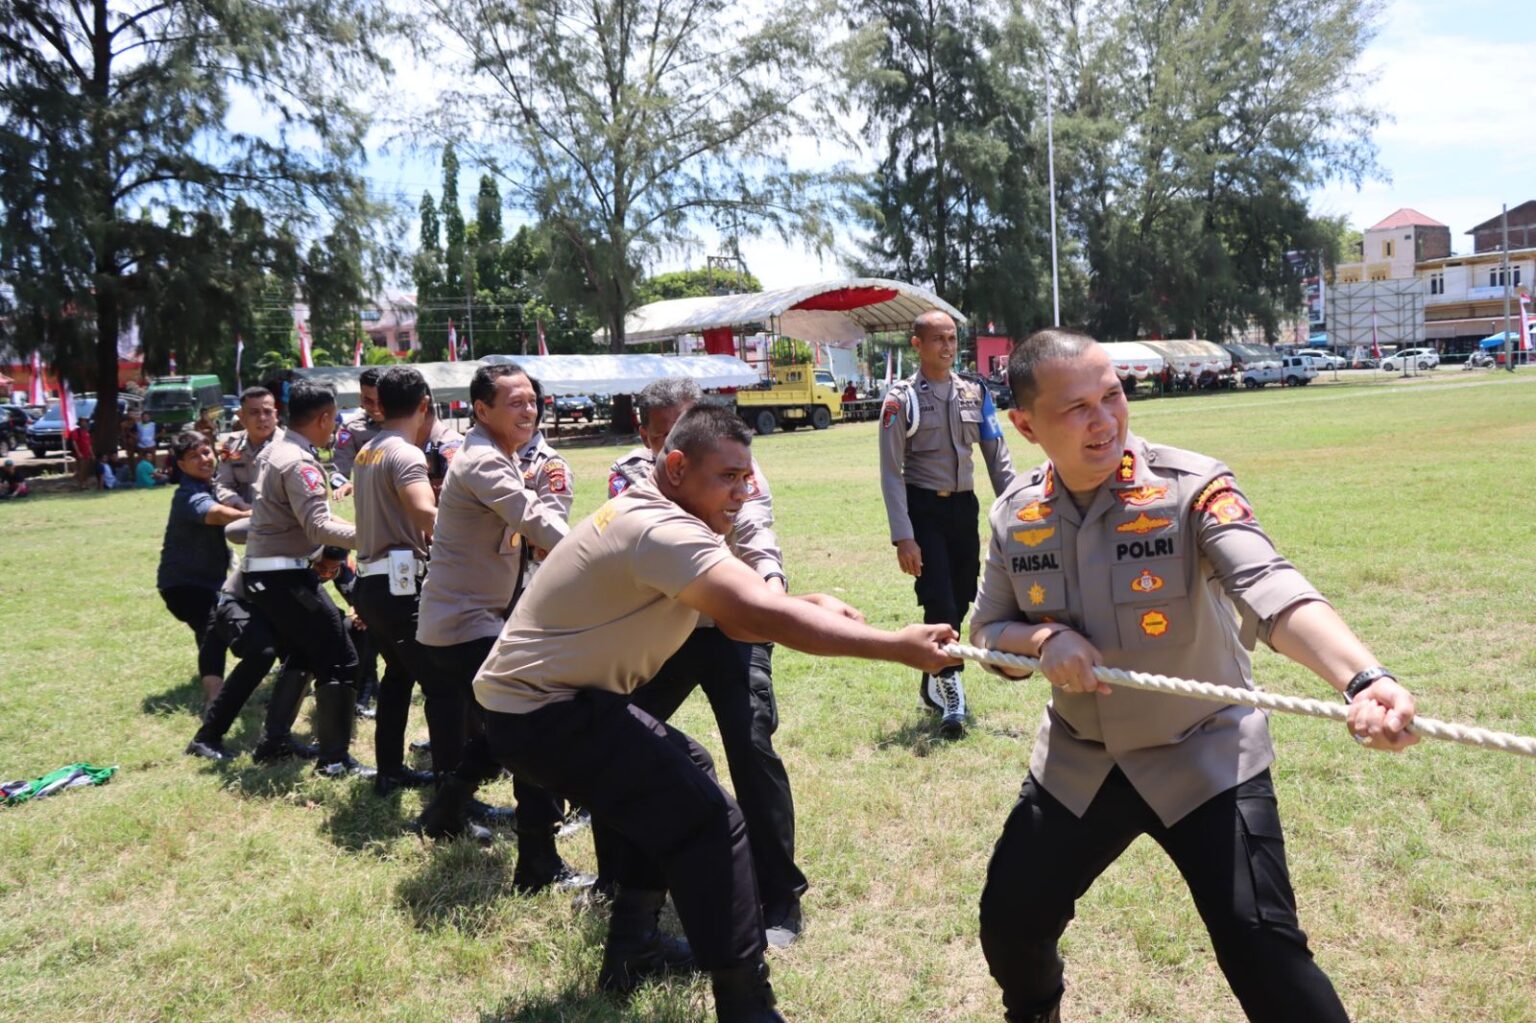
(402, 573)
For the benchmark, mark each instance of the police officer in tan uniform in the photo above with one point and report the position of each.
(612, 603)
(291, 521)
(737, 678)
(1122, 552)
(234, 482)
(356, 431)
(487, 518)
(549, 476)
(929, 423)
(396, 509)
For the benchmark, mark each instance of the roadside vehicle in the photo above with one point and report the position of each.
(176, 402)
(1422, 358)
(575, 407)
(1324, 360)
(47, 434)
(13, 428)
(231, 405)
(1291, 371)
(792, 396)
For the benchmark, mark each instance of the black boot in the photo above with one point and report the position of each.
(277, 742)
(539, 864)
(396, 778)
(1050, 1015)
(743, 994)
(446, 815)
(335, 707)
(635, 949)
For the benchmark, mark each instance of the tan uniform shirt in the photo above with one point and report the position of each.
(752, 539)
(548, 475)
(352, 436)
(234, 481)
(602, 612)
(1166, 572)
(937, 455)
(482, 514)
(292, 515)
(382, 470)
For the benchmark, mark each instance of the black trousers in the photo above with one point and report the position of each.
(737, 679)
(192, 606)
(946, 532)
(307, 622)
(391, 620)
(239, 628)
(456, 666)
(656, 789)
(1231, 853)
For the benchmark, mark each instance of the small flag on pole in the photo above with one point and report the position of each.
(818, 355)
(239, 357)
(306, 353)
(37, 394)
(1525, 323)
(357, 352)
(890, 368)
(543, 347)
(173, 364)
(1375, 343)
(453, 343)
(66, 410)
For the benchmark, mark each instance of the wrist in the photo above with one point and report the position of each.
(1052, 631)
(1364, 680)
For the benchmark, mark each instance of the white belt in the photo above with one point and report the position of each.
(380, 566)
(250, 564)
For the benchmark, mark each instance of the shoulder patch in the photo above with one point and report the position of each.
(617, 483)
(312, 478)
(343, 437)
(1212, 489)
(559, 479)
(1228, 507)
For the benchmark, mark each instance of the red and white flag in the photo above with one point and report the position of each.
(173, 364)
(1525, 323)
(890, 368)
(1375, 343)
(66, 410)
(818, 355)
(543, 347)
(453, 343)
(37, 394)
(306, 353)
(239, 357)
(357, 353)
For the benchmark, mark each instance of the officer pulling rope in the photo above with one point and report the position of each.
(1429, 728)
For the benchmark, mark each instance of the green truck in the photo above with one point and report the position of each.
(176, 402)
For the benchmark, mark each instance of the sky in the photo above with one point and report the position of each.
(1455, 79)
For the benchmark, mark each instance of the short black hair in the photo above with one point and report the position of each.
(482, 386)
(187, 441)
(703, 427)
(368, 377)
(1042, 346)
(668, 392)
(255, 392)
(307, 400)
(401, 389)
(926, 318)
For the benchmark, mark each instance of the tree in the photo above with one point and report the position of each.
(1187, 133)
(622, 124)
(694, 284)
(120, 171)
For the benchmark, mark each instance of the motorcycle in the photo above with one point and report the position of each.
(1478, 360)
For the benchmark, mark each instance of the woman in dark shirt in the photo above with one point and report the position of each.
(193, 556)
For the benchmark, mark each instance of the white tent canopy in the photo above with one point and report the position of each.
(1133, 359)
(627, 374)
(839, 312)
(449, 380)
(1194, 357)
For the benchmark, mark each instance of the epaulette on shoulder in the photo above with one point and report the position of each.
(1181, 461)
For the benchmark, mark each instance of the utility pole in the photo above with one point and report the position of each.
(1050, 161)
(469, 305)
(1509, 352)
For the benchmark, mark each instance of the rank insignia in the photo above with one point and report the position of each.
(1127, 471)
(1154, 623)
(1037, 595)
(1213, 488)
(1141, 496)
(559, 481)
(1146, 582)
(313, 480)
(1035, 511)
(1034, 537)
(1143, 524)
(1228, 507)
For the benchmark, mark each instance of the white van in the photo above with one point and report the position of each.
(1290, 371)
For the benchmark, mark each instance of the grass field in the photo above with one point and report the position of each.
(183, 891)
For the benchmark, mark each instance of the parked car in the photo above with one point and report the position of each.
(13, 428)
(47, 434)
(231, 405)
(1422, 358)
(1291, 371)
(1324, 360)
(575, 406)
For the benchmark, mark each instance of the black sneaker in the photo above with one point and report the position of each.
(421, 746)
(346, 767)
(212, 750)
(577, 821)
(782, 927)
(269, 751)
(492, 816)
(952, 694)
(396, 778)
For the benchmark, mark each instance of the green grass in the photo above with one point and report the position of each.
(187, 892)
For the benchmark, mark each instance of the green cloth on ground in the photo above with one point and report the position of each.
(64, 778)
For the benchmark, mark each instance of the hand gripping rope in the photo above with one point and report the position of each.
(1423, 727)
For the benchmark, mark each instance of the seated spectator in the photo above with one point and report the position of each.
(11, 482)
(146, 475)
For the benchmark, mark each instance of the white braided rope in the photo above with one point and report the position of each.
(1428, 728)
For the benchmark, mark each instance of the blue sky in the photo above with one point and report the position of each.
(1456, 80)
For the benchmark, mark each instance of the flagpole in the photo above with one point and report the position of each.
(1050, 163)
(1509, 353)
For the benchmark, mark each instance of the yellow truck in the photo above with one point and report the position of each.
(794, 395)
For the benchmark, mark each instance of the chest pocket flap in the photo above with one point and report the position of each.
(1151, 604)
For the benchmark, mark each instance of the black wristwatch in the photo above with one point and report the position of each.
(1361, 682)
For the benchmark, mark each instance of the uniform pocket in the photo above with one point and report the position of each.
(927, 437)
(1040, 593)
(1151, 607)
(1274, 900)
(970, 425)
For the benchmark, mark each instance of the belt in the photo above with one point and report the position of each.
(250, 564)
(380, 566)
(943, 493)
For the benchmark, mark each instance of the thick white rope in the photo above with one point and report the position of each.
(1424, 727)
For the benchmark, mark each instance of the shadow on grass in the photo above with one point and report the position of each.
(363, 821)
(458, 881)
(580, 1004)
(922, 737)
(184, 698)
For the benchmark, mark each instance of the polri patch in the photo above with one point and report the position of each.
(1146, 582)
(559, 480)
(1216, 486)
(1228, 507)
(312, 478)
